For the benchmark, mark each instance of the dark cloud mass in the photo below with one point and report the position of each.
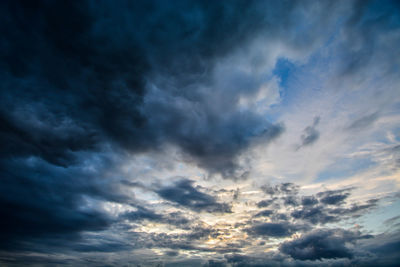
(128, 74)
(322, 244)
(183, 193)
(85, 77)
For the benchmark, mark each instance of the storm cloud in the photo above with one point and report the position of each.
(136, 84)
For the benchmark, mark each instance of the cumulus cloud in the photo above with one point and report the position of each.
(322, 244)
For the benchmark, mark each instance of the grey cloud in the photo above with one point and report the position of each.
(50, 201)
(311, 134)
(283, 188)
(83, 82)
(364, 121)
(369, 26)
(393, 221)
(322, 244)
(325, 207)
(383, 250)
(333, 197)
(315, 215)
(356, 209)
(215, 263)
(142, 213)
(264, 213)
(276, 229)
(266, 203)
(183, 193)
(172, 253)
(320, 214)
(93, 83)
(308, 200)
(290, 201)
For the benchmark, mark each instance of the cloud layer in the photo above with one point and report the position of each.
(199, 133)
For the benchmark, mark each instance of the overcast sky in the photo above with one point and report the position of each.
(200, 133)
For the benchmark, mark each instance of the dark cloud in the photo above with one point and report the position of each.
(172, 253)
(276, 229)
(308, 201)
(142, 213)
(383, 250)
(322, 244)
(325, 207)
(86, 83)
(79, 79)
(103, 246)
(311, 134)
(315, 215)
(369, 25)
(183, 193)
(265, 203)
(264, 213)
(333, 197)
(330, 206)
(215, 263)
(320, 214)
(40, 202)
(290, 201)
(356, 209)
(129, 74)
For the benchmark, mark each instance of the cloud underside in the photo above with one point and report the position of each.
(91, 92)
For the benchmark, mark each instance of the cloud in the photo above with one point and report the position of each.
(89, 85)
(323, 212)
(264, 213)
(276, 229)
(92, 92)
(265, 203)
(310, 135)
(314, 215)
(183, 193)
(333, 197)
(283, 188)
(322, 244)
(142, 213)
(51, 201)
(324, 207)
(308, 201)
(364, 121)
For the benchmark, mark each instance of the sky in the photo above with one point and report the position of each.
(200, 133)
